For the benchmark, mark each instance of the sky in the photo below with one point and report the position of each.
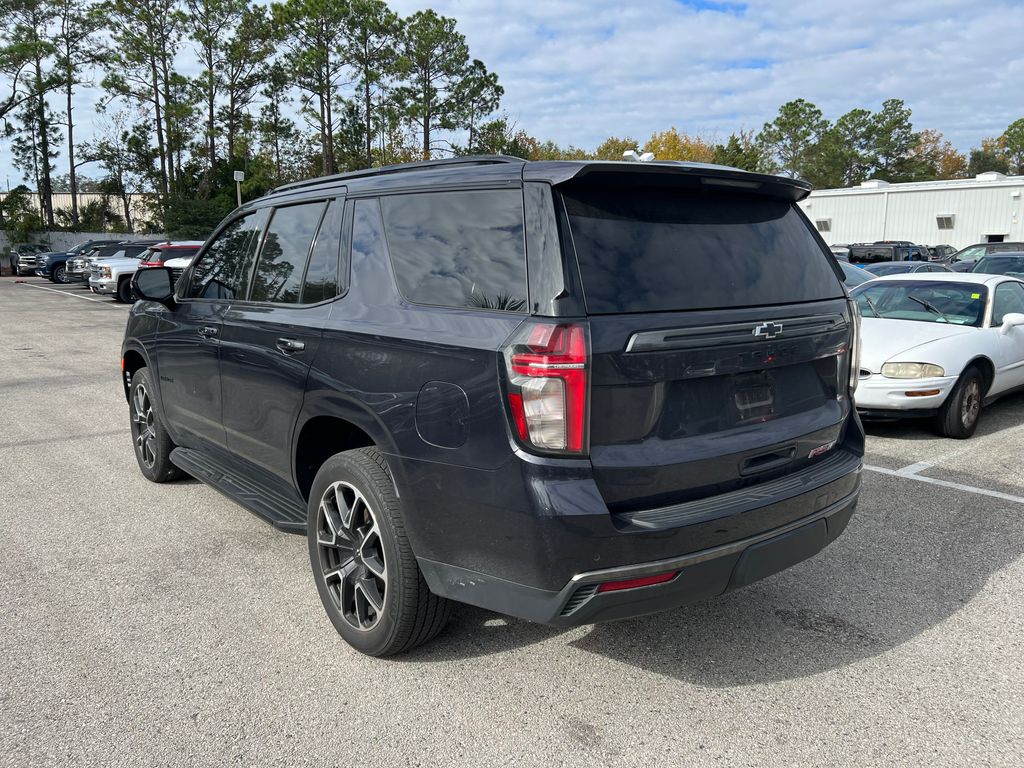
(578, 71)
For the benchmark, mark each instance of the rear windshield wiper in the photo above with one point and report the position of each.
(930, 307)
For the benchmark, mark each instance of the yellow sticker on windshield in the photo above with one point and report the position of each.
(975, 295)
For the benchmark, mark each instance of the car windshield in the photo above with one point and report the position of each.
(923, 301)
(1001, 265)
(888, 269)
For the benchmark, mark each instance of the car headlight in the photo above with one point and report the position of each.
(105, 272)
(911, 370)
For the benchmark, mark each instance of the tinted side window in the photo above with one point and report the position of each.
(1009, 297)
(459, 249)
(223, 271)
(322, 274)
(285, 252)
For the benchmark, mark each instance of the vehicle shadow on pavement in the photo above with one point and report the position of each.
(911, 558)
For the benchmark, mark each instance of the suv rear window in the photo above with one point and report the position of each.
(653, 250)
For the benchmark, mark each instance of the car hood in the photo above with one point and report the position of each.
(882, 339)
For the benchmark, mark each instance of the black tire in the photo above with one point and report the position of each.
(345, 557)
(60, 275)
(152, 444)
(958, 417)
(124, 290)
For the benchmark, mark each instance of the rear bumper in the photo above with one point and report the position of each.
(525, 537)
(698, 575)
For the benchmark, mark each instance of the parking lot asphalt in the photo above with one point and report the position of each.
(152, 624)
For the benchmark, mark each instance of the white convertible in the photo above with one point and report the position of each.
(939, 345)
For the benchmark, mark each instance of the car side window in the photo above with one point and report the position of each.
(285, 252)
(459, 249)
(322, 275)
(1009, 297)
(222, 272)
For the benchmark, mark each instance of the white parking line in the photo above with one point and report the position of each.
(908, 475)
(105, 302)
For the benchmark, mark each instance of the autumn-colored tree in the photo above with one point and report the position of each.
(988, 157)
(673, 145)
(613, 147)
(937, 158)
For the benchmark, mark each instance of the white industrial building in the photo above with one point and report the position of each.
(957, 212)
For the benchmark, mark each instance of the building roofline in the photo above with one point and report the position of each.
(916, 186)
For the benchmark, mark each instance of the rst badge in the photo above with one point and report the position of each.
(821, 449)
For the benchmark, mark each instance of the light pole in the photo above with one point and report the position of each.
(239, 178)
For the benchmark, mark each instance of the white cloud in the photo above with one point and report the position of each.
(577, 71)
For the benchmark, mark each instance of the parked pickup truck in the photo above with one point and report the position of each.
(114, 275)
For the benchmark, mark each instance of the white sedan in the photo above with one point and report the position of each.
(939, 345)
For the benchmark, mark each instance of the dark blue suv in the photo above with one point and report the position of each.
(565, 391)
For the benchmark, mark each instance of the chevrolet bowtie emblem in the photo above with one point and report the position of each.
(768, 330)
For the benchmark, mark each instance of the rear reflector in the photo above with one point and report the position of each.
(645, 581)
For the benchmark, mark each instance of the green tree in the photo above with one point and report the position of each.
(19, 214)
(210, 22)
(673, 145)
(146, 34)
(1013, 145)
(30, 22)
(129, 160)
(371, 37)
(791, 139)
(845, 156)
(741, 150)
(894, 142)
(475, 96)
(434, 60)
(245, 69)
(32, 153)
(77, 48)
(312, 34)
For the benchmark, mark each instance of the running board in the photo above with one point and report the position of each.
(258, 497)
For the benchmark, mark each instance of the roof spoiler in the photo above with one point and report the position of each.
(719, 178)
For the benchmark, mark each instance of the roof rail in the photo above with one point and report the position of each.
(402, 168)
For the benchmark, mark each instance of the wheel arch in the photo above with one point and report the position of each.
(329, 427)
(987, 368)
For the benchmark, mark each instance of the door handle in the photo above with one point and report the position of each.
(209, 331)
(288, 346)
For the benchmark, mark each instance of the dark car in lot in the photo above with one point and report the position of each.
(1011, 263)
(53, 264)
(941, 252)
(965, 259)
(887, 251)
(565, 391)
(904, 267)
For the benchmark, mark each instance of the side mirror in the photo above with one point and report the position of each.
(157, 284)
(1010, 321)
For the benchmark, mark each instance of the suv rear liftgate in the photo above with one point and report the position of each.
(719, 411)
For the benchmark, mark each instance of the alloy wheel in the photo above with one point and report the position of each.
(143, 426)
(971, 403)
(352, 556)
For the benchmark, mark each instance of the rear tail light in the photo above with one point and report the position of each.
(854, 355)
(159, 263)
(548, 376)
